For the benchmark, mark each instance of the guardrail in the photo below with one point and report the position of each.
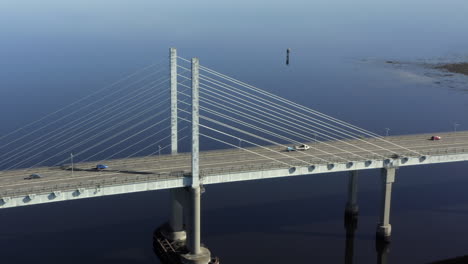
(310, 162)
(92, 184)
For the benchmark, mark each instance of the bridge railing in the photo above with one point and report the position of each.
(94, 184)
(450, 150)
(272, 165)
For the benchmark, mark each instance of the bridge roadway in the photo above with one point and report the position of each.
(168, 168)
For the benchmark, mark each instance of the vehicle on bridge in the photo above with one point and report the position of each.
(33, 176)
(101, 167)
(298, 147)
(436, 138)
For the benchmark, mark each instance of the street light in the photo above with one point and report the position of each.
(71, 158)
(159, 150)
(386, 131)
(455, 126)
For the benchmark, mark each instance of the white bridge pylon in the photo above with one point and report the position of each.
(228, 106)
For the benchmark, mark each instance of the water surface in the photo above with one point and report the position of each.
(54, 52)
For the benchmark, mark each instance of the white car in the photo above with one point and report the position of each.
(302, 147)
(298, 147)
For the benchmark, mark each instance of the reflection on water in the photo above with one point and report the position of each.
(351, 227)
(381, 247)
(457, 260)
(382, 251)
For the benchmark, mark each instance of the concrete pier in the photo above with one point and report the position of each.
(175, 230)
(384, 229)
(197, 253)
(352, 208)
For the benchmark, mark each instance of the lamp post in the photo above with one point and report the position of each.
(71, 158)
(386, 131)
(159, 151)
(455, 126)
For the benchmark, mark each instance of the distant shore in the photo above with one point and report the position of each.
(454, 67)
(460, 67)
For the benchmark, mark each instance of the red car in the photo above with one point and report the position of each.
(436, 138)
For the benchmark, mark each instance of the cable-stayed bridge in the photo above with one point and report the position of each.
(185, 126)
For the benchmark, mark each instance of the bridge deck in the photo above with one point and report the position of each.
(218, 162)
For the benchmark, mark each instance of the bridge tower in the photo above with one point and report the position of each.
(184, 221)
(175, 229)
(197, 254)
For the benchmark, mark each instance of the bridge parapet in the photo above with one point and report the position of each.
(76, 190)
(263, 171)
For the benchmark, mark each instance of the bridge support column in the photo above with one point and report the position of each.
(352, 208)
(384, 229)
(197, 254)
(175, 231)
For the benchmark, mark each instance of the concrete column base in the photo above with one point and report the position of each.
(174, 236)
(204, 257)
(171, 235)
(384, 232)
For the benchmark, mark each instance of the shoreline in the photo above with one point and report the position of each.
(461, 68)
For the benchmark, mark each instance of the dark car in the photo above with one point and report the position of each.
(33, 176)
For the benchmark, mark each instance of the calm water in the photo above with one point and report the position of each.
(54, 52)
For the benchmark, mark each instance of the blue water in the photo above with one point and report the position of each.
(55, 52)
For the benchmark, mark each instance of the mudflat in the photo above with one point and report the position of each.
(454, 67)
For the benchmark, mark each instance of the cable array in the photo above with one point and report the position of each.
(131, 117)
(108, 123)
(232, 110)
